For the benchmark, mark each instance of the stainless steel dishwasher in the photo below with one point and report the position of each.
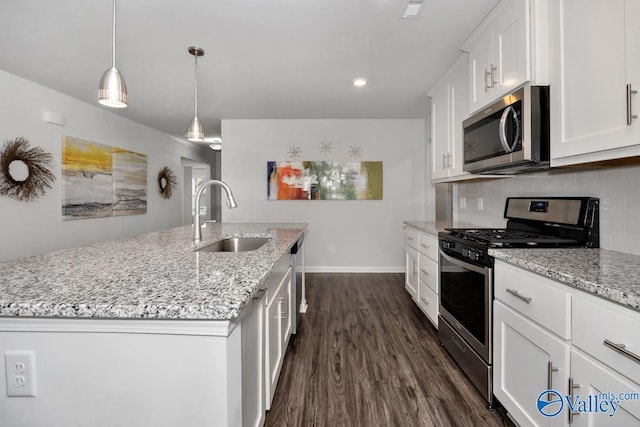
(297, 310)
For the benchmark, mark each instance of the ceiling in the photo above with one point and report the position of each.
(264, 59)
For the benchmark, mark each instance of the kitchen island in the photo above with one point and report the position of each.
(142, 331)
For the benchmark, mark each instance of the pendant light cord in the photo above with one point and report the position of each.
(195, 85)
(113, 46)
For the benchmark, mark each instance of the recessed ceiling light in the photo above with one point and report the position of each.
(359, 82)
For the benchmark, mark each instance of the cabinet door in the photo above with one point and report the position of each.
(411, 271)
(480, 63)
(528, 360)
(273, 352)
(592, 378)
(588, 80)
(459, 111)
(511, 49)
(253, 398)
(440, 132)
(285, 317)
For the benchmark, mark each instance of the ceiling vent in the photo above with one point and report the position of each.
(412, 9)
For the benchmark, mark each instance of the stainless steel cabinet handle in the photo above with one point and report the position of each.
(414, 269)
(550, 370)
(424, 271)
(494, 71)
(444, 161)
(572, 386)
(424, 246)
(487, 77)
(424, 300)
(283, 303)
(409, 238)
(621, 348)
(519, 295)
(630, 115)
(449, 160)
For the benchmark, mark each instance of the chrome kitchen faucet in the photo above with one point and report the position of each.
(231, 203)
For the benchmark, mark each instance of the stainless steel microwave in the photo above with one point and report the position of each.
(510, 135)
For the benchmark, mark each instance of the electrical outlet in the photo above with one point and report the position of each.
(332, 248)
(463, 203)
(21, 373)
(480, 203)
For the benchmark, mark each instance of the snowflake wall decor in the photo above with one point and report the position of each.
(294, 152)
(326, 147)
(355, 151)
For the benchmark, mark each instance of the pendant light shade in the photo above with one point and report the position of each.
(112, 91)
(195, 132)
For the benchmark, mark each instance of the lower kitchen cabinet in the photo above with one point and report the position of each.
(421, 271)
(592, 378)
(527, 361)
(253, 366)
(411, 271)
(277, 328)
(581, 347)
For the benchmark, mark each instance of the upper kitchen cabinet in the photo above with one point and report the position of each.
(595, 72)
(507, 50)
(449, 107)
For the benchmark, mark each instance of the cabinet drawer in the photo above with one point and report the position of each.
(428, 302)
(428, 245)
(534, 296)
(411, 237)
(429, 272)
(595, 321)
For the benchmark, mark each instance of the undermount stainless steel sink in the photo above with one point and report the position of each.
(236, 244)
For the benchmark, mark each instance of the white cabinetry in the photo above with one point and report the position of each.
(411, 261)
(449, 107)
(551, 336)
(499, 53)
(595, 57)
(528, 358)
(253, 377)
(421, 271)
(277, 325)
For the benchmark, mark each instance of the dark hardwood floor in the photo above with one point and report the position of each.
(365, 355)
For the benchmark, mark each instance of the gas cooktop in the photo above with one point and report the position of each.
(504, 237)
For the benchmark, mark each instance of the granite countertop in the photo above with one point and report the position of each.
(612, 275)
(434, 227)
(150, 276)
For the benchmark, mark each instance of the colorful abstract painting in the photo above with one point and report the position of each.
(100, 180)
(318, 180)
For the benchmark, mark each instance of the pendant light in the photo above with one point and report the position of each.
(195, 132)
(112, 91)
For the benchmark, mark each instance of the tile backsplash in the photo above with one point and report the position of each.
(618, 189)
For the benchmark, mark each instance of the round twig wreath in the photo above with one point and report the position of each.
(166, 182)
(24, 174)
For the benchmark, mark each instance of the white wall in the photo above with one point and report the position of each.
(37, 227)
(367, 234)
(618, 189)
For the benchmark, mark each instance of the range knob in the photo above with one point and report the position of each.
(447, 244)
(472, 254)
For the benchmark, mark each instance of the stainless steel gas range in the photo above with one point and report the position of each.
(466, 272)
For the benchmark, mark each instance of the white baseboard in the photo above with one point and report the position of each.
(352, 269)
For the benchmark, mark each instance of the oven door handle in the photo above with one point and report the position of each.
(459, 262)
